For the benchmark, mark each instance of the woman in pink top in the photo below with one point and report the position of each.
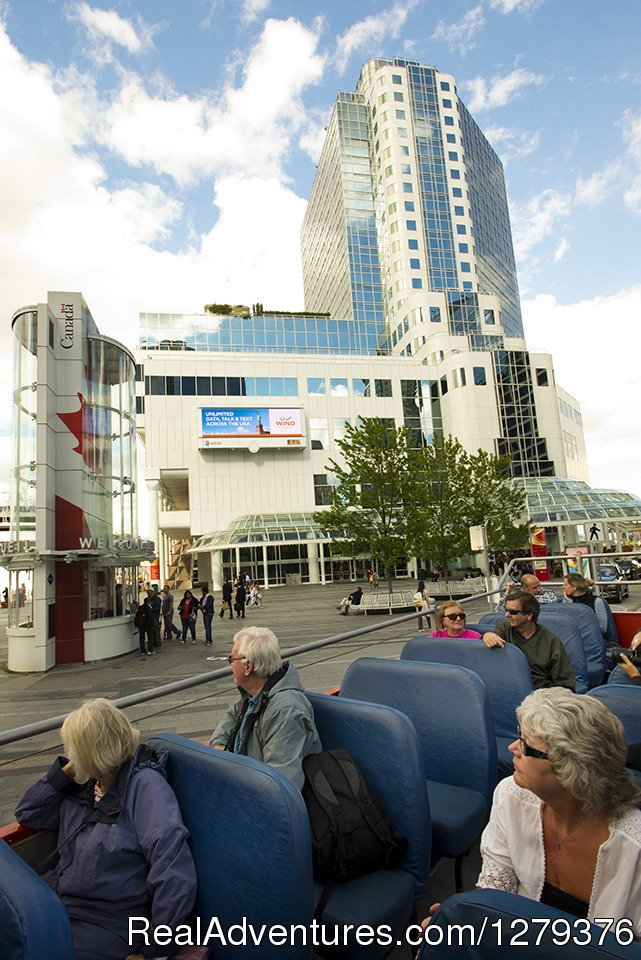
(451, 622)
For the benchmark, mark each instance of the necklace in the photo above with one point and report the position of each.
(558, 843)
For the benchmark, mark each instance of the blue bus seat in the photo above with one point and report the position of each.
(477, 917)
(33, 922)
(504, 671)
(448, 706)
(624, 700)
(590, 633)
(384, 744)
(250, 839)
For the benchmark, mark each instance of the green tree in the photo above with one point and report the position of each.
(499, 502)
(440, 478)
(369, 499)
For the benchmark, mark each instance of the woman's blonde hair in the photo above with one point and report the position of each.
(586, 746)
(441, 611)
(581, 583)
(98, 739)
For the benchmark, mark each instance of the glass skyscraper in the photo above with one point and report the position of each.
(407, 234)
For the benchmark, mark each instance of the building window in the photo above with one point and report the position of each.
(459, 377)
(316, 387)
(408, 205)
(479, 377)
(383, 388)
(392, 207)
(406, 168)
(417, 283)
(412, 244)
(203, 386)
(140, 404)
(398, 96)
(461, 228)
(451, 137)
(290, 387)
(455, 174)
(443, 386)
(394, 227)
(218, 386)
(444, 85)
(389, 171)
(435, 314)
(233, 387)
(188, 386)
(396, 78)
(322, 490)
(415, 264)
(463, 248)
(338, 387)
(410, 224)
(360, 387)
(488, 317)
(468, 285)
(340, 428)
(447, 104)
(400, 114)
(140, 376)
(452, 155)
(407, 187)
(542, 377)
(457, 192)
(449, 121)
(401, 131)
(459, 211)
(465, 267)
(319, 434)
(405, 151)
(157, 386)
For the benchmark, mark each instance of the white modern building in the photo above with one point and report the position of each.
(414, 316)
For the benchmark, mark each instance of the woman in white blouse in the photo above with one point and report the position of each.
(565, 828)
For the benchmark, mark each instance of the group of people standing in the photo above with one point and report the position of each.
(155, 615)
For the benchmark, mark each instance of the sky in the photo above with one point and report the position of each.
(157, 155)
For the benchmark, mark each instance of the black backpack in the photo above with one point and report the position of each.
(351, 835)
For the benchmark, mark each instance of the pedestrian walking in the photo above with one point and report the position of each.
(207, 610)
(155, 604)
(168, 614)
(227, 600)
(143, 621)
(241, 597)
(188, 610)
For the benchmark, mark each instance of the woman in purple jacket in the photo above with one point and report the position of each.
(122, 843)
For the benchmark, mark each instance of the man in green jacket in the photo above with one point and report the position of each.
(549, 663)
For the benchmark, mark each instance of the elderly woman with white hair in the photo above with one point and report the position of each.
(122, 843)
(566, 828)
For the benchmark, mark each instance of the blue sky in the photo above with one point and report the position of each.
(157, 156)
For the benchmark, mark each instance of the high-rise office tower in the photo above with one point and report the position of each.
(408, 233)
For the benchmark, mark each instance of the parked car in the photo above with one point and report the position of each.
(615, 587)
(631, 568)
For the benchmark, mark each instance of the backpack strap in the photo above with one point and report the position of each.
(376, 820)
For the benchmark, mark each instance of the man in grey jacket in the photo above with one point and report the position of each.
(273, 721)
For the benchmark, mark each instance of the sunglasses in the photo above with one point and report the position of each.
(454, 616)
(529, 751)
(511, 612)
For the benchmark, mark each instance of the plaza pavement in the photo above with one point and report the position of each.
(297, 615)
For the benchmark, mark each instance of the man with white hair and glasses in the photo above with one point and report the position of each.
(273, 721)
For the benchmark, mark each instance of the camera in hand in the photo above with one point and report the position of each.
(616, 653)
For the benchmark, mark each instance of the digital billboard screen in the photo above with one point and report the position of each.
(251, 422)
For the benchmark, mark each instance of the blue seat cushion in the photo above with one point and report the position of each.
(458, 817)
(596, 672)
(506, 760)
(636, 776)
(375, 899)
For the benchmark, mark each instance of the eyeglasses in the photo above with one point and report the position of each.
(511, 612)
(231, 659)
(529, 751)
(454, 616)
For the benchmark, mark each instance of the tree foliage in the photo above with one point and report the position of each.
(391, 501)
(369, 499)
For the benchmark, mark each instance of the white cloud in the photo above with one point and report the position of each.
(253, 9)
(509, 6)
(599, 377)
(497, 91)
(246, 129)
(512, 143)
(537, 219)
(561, 250)
(373, 30)
(461, 37)
(595, 189)
(104, 28)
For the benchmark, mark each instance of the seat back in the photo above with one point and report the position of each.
(589, 633)
(491, 619)
(33, 922)
(449, 708)
(492, 924)
(250, 839)
(504, 671)
(384, 744)
(625, 702)
(569, 634)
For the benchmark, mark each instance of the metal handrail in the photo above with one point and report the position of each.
(46, 726)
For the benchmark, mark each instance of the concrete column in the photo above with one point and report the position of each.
(237, 562)
(216, 561)
(265, 579)
(312, 562)
(321, 555)
(153, 487)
